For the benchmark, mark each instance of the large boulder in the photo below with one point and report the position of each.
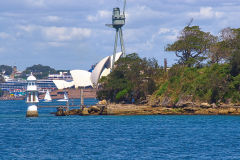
(205, 105)
(74, 112)
(60, 112)
(93, 109)
(85, 112)
(103, 102)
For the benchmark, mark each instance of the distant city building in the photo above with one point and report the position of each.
(60, 76)
(18, 87)
(14, 87)
(45, 84)
(76, 78)
(15, 73)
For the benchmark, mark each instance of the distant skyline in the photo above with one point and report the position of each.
(71, 34)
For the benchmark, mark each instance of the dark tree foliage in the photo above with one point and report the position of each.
(227, 45)
(1, 79)
(1, 92)
(235, 63)
(7, 69)
(39, 71)
(219, 52)
(231, 44)
(192, 45)
(132, 78)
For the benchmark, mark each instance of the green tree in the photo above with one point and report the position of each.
(227, 43)
(219, 52)
(1, 92)
(235, 63)
(1, 79)
(230, 48)
(132, 77)
(192, 45)
(7, 69)
(39, 71)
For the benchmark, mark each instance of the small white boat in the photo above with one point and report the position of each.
(65, 99)
(47, 97)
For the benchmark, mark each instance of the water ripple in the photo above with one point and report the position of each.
(116, 137)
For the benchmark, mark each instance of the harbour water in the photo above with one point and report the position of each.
(115, 137)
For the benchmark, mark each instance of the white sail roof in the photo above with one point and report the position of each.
(98, 70)
(105, 72)
(118, 55)
(61, 84)
(103, 68)
(81, 78)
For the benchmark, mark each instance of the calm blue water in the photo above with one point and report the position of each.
(115, 137)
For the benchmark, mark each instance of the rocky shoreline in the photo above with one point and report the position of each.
(131, 109)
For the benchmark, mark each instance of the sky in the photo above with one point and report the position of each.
(71, 34)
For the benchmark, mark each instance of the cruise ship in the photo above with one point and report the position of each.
(17, 87)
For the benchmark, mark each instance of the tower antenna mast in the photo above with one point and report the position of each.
(118, 21)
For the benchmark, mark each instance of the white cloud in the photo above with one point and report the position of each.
(102, 14)
(54, 33)
(143, 13)
(27, 28)
(4, 35)
(65, 33)
(206, 13)
(172, 36)
(163, 34)
(163, 30)
(52, 18)
(36, 3)
(56, 44)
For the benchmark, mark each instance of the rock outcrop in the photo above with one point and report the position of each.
(184, 107)
(93, 110)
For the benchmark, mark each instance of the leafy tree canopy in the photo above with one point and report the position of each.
(132, 78)
(192, 45)
(39, 71)
(7, 69)
(1, 79)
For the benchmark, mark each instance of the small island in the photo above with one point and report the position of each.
(205, 81)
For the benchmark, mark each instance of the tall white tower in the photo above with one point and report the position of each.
(32, 97)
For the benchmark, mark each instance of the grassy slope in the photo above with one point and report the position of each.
(212, 84)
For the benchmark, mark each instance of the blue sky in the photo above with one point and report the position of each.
(71, 34)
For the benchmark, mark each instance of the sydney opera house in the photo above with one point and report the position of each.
(83, 79)
(77, 79)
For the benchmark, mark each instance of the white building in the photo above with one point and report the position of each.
(82, 78)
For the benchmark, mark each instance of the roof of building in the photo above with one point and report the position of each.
(61, 84)
(96, 73)
(31, 78)
(81, 78)
(103, 68)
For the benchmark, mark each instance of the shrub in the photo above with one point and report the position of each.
(162, 89)
(122, 94)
